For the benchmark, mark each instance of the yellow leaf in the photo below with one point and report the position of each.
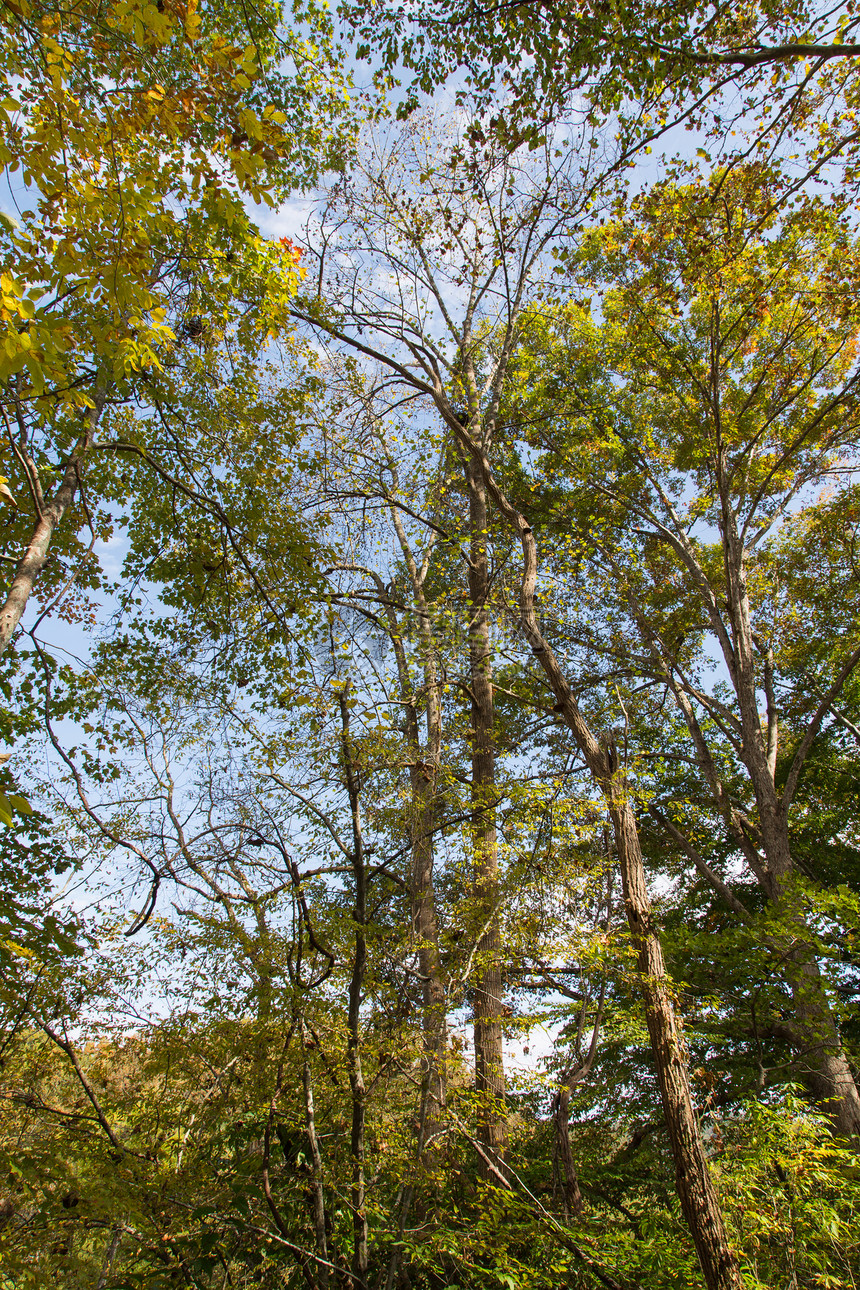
(21, 950)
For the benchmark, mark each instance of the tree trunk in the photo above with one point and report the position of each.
(423, 773)
(107, 1266)
(693, 1181)
(821, 1057)
(489, 1057)
(359, 964)
(49, 515)
(573, 1075)
(433, 998)
(569, 1181)
(317, 1194)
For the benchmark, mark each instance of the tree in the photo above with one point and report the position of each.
(489, 252)
(137, 133)
(736, 346)
(410, 659)
(782, 74)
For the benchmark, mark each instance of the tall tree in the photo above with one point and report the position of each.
(494, 249)
(488, 1005)
(733, 396)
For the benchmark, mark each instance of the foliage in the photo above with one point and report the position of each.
(296, 812)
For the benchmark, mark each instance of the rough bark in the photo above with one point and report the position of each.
(489, 1056)
(695, 1188)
